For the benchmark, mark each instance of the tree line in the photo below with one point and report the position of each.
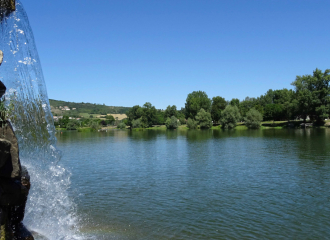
(309, 98)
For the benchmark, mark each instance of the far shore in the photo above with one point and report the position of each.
(240, 126)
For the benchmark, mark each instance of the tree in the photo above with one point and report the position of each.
(204, 119)
(72, 124)
(218, 105)
(136, 123)
(234, 102)
(273, 112)
(63, 121)
(253, 118)
(170, 111)
(195, 101)
(191, 123)
(160, 119)
(121, 125)
(230, 116)
(109, 119)
(172, 123)
(313, 94)
(149, 115)
(94, 125)
(134, 113)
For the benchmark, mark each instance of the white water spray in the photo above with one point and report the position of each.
(50, 211)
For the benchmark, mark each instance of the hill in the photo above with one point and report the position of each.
(72, 108)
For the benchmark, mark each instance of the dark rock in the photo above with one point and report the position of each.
(7, 133)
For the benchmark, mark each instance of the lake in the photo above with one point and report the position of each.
(193, 184)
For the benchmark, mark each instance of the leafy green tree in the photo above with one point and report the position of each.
(182, 120)
(204, 119)
(191, 123)
(149, 114)
(229, 117)
(121, 125)
(196, 101)
(253, 118)
(136, 123)
(134, 113)
(63, 121)
(218, 105)
(94, 125)
(273, 112)
(313, 94)
(160, 119)
(172, 123)
(73, 124)
(109, 119)
(235, 102)
(170, 111)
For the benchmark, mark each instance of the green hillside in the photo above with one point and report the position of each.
(90, 108)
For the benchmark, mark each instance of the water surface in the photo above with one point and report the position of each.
(265, 184)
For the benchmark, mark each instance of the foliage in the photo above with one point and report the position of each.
(313, 94)
(253, 118)
(234, 102)
(160, 119)
(147, 114)
(204, 119)
(273, 111)
(95, 125)
(136, 123)
(172, 123)
(182, 120)
(73, 124)
(63, 122)
(196, 101)
(170, 111)
(191, 123)
(230, 116)
(3, 111)
(121, 125)
(109, 119)
(218, 105)
(89, 108)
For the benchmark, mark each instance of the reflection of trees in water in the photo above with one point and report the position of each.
(198, 135)
(308, 144)
(144, 135)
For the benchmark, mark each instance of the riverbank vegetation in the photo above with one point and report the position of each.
(308, 104)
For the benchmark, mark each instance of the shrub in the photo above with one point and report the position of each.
(121, 125)
(182, 120)
(72, 125)
(136, 123)
(94, 125)
(172, 123)
(253, 118)
(229, 117)
(191, 123)
(204, 119)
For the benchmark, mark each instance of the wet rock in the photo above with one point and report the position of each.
(1, 57)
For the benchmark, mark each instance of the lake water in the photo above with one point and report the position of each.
(261, 184)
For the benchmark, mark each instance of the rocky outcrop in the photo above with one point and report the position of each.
(14, 183)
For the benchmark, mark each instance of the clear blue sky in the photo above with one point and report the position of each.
(125, 53)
